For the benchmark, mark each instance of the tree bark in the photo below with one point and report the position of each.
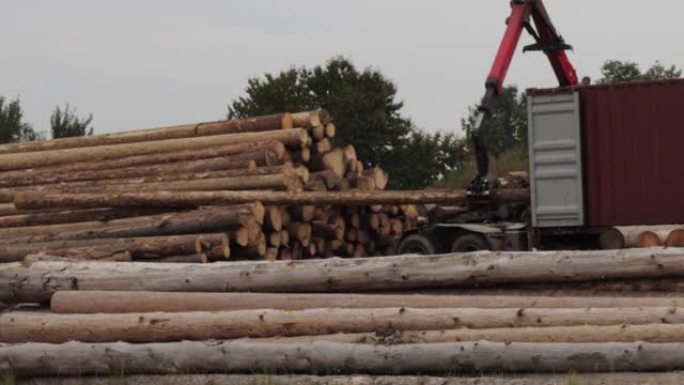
(284, 181)
(293, 137)
(629, 378)
(192, 258)
(26, 283)
(235, 165)
(53, 174)
(56, 217)
(161, 327)
(126, 302)
(191, 222)
(656, 333)
(185, 199)
(75, 358)
(256, 124)
(142, 248)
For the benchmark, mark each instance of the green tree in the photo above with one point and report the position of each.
(65, 123)
(506, 129)
(12, 126)
(614, 71)
(365, 108)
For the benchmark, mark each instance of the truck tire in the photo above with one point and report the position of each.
(469, 242)
(416, 244)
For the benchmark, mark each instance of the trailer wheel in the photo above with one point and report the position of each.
(416, 244)
(470, 242)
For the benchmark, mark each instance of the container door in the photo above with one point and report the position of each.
(555, 160)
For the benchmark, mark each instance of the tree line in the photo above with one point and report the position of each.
(365, 106)
(64, 123)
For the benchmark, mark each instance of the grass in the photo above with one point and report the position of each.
(7, 379)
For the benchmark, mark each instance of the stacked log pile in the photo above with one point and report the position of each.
(270, 187)
(359, 317)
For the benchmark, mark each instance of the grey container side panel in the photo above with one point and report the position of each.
(555, 150)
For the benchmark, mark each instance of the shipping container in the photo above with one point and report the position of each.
(630, 166)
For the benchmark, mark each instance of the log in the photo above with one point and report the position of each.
(256, 182)
(274, 239)
(330, 130)
(256, 248)
(186, 198)
(8, 209)
(349, 154)
(160, 327)
(323, 145)
(379, 176)
(193, 258)
(329, 177)
(166, 177)
(271, 254)
(363, 183)
(629, 378)
(138, 248)
(326, 230)
(240, 235)
(197, 221)
(332, 160)
(650, 239)
(621, 237)
(25, 283)
(76, 358)
(260, 123)
(318, 132)
(656, 333)
(675, 239)
(293, 137)
(53, 174)
(243, 163)
(50, 218)
(273, 219)
(123, 256)
(309, 119)
(284, 238)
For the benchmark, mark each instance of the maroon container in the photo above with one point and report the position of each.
(633, 150)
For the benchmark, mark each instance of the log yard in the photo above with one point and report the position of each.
(265, 250)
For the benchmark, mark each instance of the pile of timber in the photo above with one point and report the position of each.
(270, 187)
(356, 317)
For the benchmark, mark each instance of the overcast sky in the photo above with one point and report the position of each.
(136, 64)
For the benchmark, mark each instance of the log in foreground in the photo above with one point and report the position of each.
(29, 200)
(632, 378)
(143, 301)
(38, 281)
(657, 333)
(162, 327)
(75, 358)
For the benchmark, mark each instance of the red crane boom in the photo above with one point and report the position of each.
(547, 40)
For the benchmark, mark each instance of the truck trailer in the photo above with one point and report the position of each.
(601, 158)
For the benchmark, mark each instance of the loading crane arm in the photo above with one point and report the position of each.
(524, 13)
